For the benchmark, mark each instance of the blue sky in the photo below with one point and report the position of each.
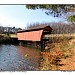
(19, 16)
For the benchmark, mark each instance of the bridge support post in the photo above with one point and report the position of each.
(42, 45)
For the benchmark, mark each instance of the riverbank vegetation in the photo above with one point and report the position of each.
(8, 39)
(59, 54)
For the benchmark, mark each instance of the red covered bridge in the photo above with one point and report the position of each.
(34, 34)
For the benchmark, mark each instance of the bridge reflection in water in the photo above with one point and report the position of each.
(30, 56)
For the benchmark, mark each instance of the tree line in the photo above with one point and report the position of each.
(58, 28)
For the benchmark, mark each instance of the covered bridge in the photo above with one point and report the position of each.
(35, 34)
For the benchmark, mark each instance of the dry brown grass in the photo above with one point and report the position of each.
(60, 54)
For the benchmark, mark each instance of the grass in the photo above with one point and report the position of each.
(13, 35)
(60, 35)
(58, 44)
(10, 35)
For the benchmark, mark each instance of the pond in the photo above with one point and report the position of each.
(18, 58)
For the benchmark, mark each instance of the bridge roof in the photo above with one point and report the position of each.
(40, 27)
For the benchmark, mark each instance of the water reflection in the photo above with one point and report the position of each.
(18, 58)
(30, 56)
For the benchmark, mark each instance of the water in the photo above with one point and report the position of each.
(18, 58)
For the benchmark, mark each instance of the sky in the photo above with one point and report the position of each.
(19, 16)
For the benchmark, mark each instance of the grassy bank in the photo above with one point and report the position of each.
(59, 55)
(9, 35)
(5, 39)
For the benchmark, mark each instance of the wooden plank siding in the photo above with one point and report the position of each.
(30, 36)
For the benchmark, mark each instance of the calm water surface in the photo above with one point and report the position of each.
(18, 58)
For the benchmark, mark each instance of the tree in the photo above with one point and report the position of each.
(58, 28)
(71, 19)
(55, 10)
